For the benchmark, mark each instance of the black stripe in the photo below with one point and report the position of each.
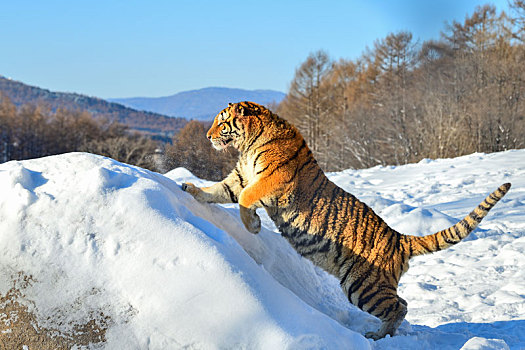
(423, 244)
(466, 225)
(336, 224)
(449, 241)
(476, 217)
(235, 120)
(288, 137)
(338, 250)
(326, 220)
(319, 190)
(404, 256)
(241, 180)
(325, 247)
(230, 192)
(364, 300)
(494, 198)
(299, 169)
(264, 169)
(319, 172)
(287, 223)
(436, 242)
(317, 249)
(386, 311)
(397, 246)
(354, 287)
(308, 240)
(379, 234)
(446, 234)
(349, 214)
(455, 233)
(344, 206)
(373, 285)
(481, 207)
(255, 138)
(358, 221)
(377, 303)
(390, 246)
(347, 273)
(294, 232)
(372, 238)
(365, 223)
(258, 155)
(309, 159)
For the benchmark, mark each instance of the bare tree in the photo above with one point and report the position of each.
(308, 105)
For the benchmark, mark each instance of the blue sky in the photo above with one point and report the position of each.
(157, 48)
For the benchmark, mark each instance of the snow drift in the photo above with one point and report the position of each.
(90, 247)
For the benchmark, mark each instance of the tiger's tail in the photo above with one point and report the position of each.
(452, 235)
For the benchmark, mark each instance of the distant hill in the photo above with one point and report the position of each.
(141, 121)
(202, 104)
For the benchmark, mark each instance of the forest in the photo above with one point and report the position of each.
(401, 101)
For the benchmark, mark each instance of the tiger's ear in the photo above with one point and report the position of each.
(237, 108)
(240, 110)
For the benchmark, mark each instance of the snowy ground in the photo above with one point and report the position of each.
(104, 239)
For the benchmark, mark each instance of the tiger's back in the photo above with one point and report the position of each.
(277, 171)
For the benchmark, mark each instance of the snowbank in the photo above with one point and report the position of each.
(85, 240)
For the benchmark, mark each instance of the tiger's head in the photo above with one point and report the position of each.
(234, 124)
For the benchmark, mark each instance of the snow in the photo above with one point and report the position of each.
(103, 239)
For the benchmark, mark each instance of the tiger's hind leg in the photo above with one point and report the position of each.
(391, 310)
(374, 290)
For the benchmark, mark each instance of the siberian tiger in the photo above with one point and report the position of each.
(277, 171)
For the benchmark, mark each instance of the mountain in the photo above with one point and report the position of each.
(144, 122)
(202, 104)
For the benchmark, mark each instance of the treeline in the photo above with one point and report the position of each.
(33, 131)
(402, 101)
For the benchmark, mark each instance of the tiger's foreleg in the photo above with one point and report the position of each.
(253, 197)
(226, 191)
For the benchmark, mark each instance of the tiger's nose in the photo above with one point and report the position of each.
(209, 137)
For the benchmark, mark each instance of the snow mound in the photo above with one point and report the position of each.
(88, 242)
(102, 238)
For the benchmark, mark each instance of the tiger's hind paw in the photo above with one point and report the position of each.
(373, 335)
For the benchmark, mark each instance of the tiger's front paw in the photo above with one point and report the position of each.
(196, 192)
(251, 220)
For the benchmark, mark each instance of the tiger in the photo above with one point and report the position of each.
(277, 171)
